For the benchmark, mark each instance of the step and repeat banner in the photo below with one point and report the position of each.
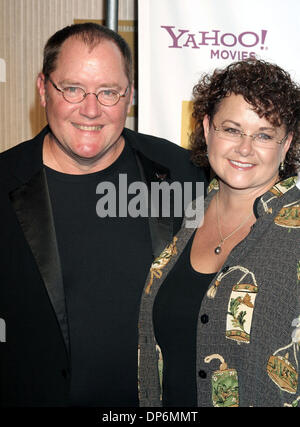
(179, 40)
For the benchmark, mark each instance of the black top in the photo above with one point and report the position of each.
(105, 262)
(175, 315)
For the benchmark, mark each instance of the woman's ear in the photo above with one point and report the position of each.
(206, 125)
(287, 144)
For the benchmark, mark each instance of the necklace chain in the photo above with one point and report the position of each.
(218, 249)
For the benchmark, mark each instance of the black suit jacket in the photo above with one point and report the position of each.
(34, 360)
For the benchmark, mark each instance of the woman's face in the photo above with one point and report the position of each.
(240, 162)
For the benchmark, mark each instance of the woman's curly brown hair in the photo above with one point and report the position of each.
(267, 87)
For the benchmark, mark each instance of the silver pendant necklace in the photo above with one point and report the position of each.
(218, 249)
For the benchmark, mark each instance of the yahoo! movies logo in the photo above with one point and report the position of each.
(221, 45)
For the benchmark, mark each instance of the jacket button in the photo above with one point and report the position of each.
(204, 318)
(202, 374)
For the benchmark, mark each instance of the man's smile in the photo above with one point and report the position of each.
(87, 128)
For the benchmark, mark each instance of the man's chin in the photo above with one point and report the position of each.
(104, 155)
(89, 156)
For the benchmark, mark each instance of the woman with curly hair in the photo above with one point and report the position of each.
(220, 313)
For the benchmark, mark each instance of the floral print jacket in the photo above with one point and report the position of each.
(248, 346)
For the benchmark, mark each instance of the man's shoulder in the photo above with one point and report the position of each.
(22, 157)
(17, 150)
(24, 147)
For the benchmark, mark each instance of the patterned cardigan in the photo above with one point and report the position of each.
(248, 331)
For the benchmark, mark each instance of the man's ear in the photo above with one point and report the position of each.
(131, 98)
(41, 88)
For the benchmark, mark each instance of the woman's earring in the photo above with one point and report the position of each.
(281, 167)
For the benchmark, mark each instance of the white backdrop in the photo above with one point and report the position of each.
(179, 40)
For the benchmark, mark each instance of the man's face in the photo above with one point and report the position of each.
(88, 132)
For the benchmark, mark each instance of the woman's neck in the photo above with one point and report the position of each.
(231, 199)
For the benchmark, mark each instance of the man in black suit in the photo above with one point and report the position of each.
(71, 277)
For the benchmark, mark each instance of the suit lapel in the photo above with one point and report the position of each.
(32, 205)
(161, 228)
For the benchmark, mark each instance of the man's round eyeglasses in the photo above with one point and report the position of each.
(261, 139)
(75, 95)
